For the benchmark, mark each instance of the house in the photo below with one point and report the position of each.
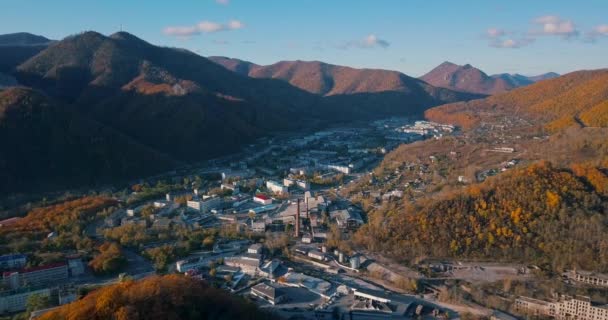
(262, 199)
(267, 292)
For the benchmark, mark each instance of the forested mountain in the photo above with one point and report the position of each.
(538, 214)
(158, 297)
(45, 144)
(172, 104)
(578, 98)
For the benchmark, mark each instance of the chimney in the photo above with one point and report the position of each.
(298, 219)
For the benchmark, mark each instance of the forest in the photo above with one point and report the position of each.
(158, 297)
(540, 214)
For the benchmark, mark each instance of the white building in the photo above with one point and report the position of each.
(276, 187)
(565, 308)
(15, 301)
(258, 227)
(262, 199)
(205, 205)
(255, 248)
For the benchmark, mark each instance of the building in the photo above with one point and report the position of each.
(303, 184)
(276, 187)
(565, 308)
(258, 227)
(191, 264)
(13, 261)
(249, 263)
(288, 182)
(269, 269)
(317, 255)
(255, 248)
(346, 219)
(75, 266)
(205, 205)
(237, 174)
(586, 277)
(37, 276)
(267, 292)
(262, 199)
(16, 300)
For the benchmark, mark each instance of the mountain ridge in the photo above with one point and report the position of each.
(470, 79)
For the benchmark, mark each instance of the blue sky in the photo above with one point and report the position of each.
(412, 36)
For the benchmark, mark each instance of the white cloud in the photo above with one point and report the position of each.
(495, 33)
(510, 43)
(555, 26)
(203, 27)
(597, 32)
(601, 29)
(371, 41)
(223, 2)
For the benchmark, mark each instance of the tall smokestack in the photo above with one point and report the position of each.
(298, 219)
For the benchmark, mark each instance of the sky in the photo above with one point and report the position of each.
(412, 36)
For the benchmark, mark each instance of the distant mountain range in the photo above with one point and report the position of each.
(142, 102)
(578, 98)
(16, 48)
(23, 39)
(470, 79)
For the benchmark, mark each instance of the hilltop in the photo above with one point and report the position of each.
(158, 297)
(470, 79)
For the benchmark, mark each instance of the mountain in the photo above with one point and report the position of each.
(16, 48)
(544, 76)
(177, 106)
(159, 297)
(470, 79)
(23, 39)
(331, 80)
(578, 98)
(46, 144)
(239, 66)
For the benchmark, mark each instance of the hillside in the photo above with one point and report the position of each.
(158, 297)
(45, 144)
(538, 214)
(578, 98)
(470, 79)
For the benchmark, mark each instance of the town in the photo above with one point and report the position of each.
(273, 222)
